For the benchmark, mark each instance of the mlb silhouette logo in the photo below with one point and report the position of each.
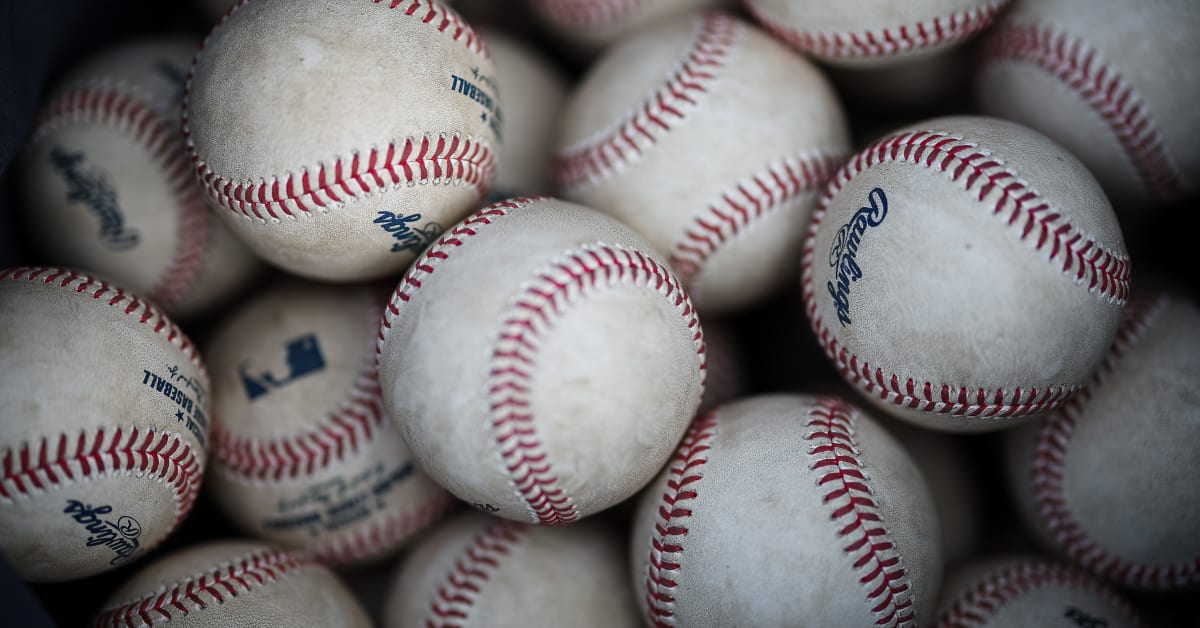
(303, 358)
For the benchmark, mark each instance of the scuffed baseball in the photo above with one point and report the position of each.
(1110, 479)
(303, 454)
(233, 583)
(105, 183)
(541, 361)
(781, 507)
(672, 132)
(1113, 81)
(104, 414)
(338, 139)
(965, 273)
(482, 571)
(589, 25)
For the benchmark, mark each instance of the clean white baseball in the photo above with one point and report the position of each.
(874, 33)
(337, 139)
(593, 24)
(105, 183)
(541, 362)
(1110, 479)
(233, 583)
(103, 424)
(1112, 81)
(303, 454)
(965, 273)
(782, 507)
(1021, 592)
(673, 133)
(482, 571)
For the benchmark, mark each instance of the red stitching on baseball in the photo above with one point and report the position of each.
(451, 606)
(1008, 583)
(119, 107)
(666, 108)
(1096, 82)
(1049, 472)
(361, 543)
(886, 41)
(1104, 272)
(747, 202)
(585, 13)
(212, 587)
(429, 158)
(666, 546)
(840, 473)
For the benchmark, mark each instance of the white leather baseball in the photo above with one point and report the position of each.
(103, 424)
(337, 139)
(678, 133)
(1113, 81)
(874, 33)
(965, 273)
(1110, 479)
(105, 184)
(483, 571)
(593, 24)
(1022, 592)
(784, 509)
(541, 362)
(303, 454)
(233, 583)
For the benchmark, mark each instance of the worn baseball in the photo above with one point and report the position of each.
(677, 132)
(483, 571)
(103, 424)
(965, 273)
(874, 33)
(1019, 592)
(541, 361)
(590, 25)
(1113, 81)
(338, 139)
(105, 182)
(1110, 479)
(233, 583)
(303, 454)
(782, 507)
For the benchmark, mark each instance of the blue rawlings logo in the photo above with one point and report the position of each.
(407, 238)
(843, 253)
(94, 190)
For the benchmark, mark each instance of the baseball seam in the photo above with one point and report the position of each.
(364, 542)
(938, 31)
(1096, 82)
(663, 565)
(212, 586)
(747, 202)
(122, 108)
(452, 604)
(978, 605)
(612, 149)
(585, 13)
(1049, 471)
(429, 158)
(1104, 272)
(831, 430)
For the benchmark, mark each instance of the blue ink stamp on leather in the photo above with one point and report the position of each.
(303, 357)
(120, 536)
(407, 237)
(93, 190)
(843, 254)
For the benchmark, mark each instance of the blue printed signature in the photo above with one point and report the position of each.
(844, 252)
(93, 190)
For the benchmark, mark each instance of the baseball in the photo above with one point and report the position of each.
(1110, 479)
(483, 571)
(1112, 81)
(782, 507)
(105, 182)
(540, 360)
(103, 424)
(965, 274)
(593, 24)
(1021, 592)
(666, 134)
(338, 139)
(303, 455)
(874, 33)
(233, 583)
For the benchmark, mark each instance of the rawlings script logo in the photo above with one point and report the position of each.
(843, 253)
(407, 238)
(120, 537)
(92, 189)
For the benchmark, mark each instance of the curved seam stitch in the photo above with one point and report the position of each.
(452, 603)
